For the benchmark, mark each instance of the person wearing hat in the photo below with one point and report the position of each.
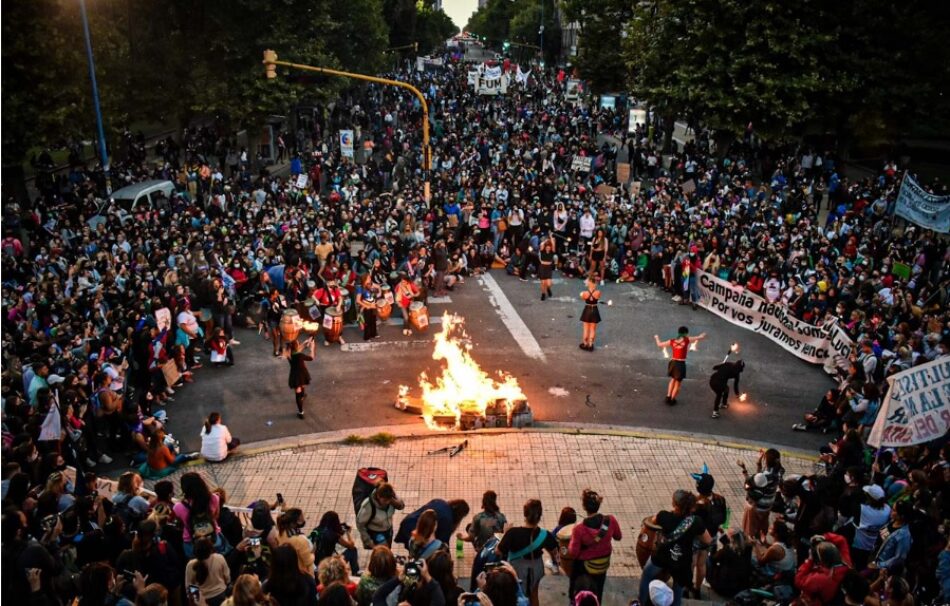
(677, 366)
(872, 515)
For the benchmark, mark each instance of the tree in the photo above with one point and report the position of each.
(602, 24)
(525, 26)
(433, 28)
(491, 21)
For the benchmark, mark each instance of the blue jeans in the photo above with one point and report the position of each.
(650, 573)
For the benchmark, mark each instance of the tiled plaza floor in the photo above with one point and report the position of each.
(637, 476)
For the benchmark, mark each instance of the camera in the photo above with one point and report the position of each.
(413, 570)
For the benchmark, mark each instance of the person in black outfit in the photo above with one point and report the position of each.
(299, 375)
(546, 267)
(719, 382)
(590, 317)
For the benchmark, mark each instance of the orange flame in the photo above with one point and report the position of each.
(666, 354)
(743, 397)
(463, 387)
(309, 326)
(694, 346)
(734, 348)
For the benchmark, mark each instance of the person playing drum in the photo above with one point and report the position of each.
(329, 297)
(406, 292)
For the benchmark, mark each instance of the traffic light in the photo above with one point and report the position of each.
(270, 69)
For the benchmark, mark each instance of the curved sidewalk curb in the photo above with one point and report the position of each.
(585, 429)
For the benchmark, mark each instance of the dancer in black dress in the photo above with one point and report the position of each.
(590, 317)
(546, 267)
(299, 375)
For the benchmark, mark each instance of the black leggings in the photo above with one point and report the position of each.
(593, 582)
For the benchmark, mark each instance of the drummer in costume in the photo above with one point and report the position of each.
(546, 267)
(299, 375)
(677, 366)
(366, 296)
(590, 317)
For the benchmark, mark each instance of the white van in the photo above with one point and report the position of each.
(151, 194)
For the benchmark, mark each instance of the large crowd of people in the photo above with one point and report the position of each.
(108, 312)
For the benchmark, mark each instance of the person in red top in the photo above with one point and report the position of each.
(590, 545)
(677, 366)
(819, 577)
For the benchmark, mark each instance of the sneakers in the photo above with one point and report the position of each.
(300, 415)
(89, 463)
(342, 341)
(799, 427)
(407, 332)
(105, 459)
(191, 456)
(522, 278)
(677, 298)
(715, 414)
(234, 342)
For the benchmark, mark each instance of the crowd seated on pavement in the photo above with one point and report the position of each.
(91, 371)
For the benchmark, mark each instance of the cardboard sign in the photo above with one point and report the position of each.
(605, 191)
(623, 172)
(689, 187)
(635, 189)
(170, 372)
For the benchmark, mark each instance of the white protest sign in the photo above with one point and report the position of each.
(301, 182)
(815, 344)
(581, 163)
(484, 85)
(163, 318)
(917, 407)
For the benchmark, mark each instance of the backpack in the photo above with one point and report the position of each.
(718, 512)
(122, 511)
(201, 525)
(365, 483)
(323, 547)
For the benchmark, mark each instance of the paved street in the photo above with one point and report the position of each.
(622, 383)
(636, 476)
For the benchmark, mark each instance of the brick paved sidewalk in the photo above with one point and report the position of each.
(636, 475)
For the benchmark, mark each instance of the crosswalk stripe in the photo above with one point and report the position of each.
(516, 326)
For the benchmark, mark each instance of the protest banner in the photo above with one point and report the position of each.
(917, 406)
(815, 344)
(921, 207)
(346, 143)
(486, 85)
(623, 172)
(573, 91)
(581, 163)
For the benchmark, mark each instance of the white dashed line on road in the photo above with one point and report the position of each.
(516, 326)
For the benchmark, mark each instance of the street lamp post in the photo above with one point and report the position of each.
(270, 66)
(103, 154)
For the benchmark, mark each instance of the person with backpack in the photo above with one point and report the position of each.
(711, 508)
(523, 546)
(424, 542)
(590, 544)
(481, 533)
(374, 519)
(198, 512)
(127, 504)
(448, 513)
(680, 530)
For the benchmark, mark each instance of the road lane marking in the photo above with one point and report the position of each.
(446, 300)
(365, 346)
(516, 326)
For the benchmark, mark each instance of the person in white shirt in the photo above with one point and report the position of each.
(216, 440)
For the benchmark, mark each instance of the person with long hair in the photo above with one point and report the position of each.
(329, 533)
(290, 532)
(424, 542)
(381, 568)
(248, 592)
(442, 569)
(597, 257)
(275, 307)
(286, 583)
(208, 571)
(590, 317)
(198, 512)
(216, 441)
(161, 461)
(299, 375)
(677, 366)
(546, 267)
(334, 570)
(523, 547)
(590, 544)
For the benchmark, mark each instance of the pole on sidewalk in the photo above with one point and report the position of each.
(271, 62)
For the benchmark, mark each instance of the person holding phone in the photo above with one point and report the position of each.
(207, 576)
